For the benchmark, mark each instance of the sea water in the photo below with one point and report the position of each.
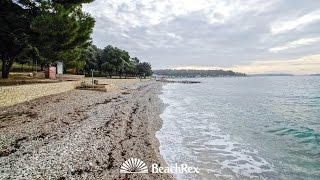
(244, 127)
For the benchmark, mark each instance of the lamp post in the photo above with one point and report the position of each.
(92, 76)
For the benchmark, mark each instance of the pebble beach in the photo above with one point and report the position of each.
(82, 134)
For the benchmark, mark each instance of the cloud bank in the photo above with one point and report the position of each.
(209, 33)
(299, 66)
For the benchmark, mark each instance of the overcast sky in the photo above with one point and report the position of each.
(252, 36)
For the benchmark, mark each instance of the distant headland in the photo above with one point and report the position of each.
(196, 73)
(271, 74)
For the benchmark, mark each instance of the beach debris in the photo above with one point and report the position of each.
(95, 87)
(124, 92)
(184, 81)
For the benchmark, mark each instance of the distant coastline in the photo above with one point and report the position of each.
(270, 74)
(314, 74)
(280, 74)
(197, 73)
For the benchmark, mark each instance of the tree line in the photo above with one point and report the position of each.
(44, 31)
(113, 61)
(196, 73)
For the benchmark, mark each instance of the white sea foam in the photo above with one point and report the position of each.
(191, 135)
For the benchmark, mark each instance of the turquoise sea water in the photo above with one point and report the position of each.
(243, 128)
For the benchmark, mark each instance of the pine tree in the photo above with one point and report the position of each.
(14, 33)
(57, 29)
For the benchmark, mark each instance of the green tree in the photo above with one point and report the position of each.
(130, 68)
(56, 28)
(136, 62)
(124, 62)
(91, 56)
(14, 33)
(110, 68)
(29, 56)
(144, 69)
(114, 60)
(62, 34)
(107, 60)
(73, 62)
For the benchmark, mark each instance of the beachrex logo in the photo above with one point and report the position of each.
(135, 165)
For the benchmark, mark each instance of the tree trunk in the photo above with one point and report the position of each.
(6, 68)
(8, 61)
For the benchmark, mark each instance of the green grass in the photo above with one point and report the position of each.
(16, 67)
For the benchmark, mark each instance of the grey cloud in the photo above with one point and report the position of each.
(189, 39)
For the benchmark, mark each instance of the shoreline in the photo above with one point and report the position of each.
(83, 134)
